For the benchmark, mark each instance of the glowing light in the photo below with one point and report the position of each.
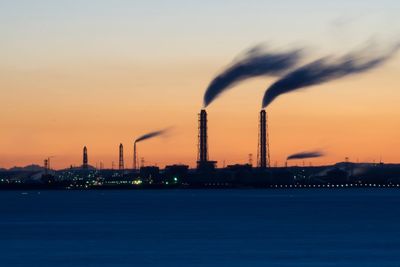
(137, 182)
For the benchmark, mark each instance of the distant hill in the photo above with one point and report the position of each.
(35, 168)
(32, 167)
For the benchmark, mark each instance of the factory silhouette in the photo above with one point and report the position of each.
(206, 174)
(256, 62)
(203, 163)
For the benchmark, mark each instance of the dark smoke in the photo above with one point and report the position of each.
(306, 155)
(255, 62)
(151, 135)
(325, 70)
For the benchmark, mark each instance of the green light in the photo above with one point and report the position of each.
(175, 179)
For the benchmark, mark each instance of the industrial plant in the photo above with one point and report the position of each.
(205, 174)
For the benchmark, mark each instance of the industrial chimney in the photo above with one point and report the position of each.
(134, 156)
(85, 158)
(263, 145)
(202, 156)
(121, 157)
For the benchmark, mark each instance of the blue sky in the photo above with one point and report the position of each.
(52, 30)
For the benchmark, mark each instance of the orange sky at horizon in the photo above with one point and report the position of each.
(346, 118)
(101, 73)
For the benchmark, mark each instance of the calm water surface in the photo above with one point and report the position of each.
(327, 227)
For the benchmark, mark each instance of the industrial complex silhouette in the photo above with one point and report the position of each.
(206, 174)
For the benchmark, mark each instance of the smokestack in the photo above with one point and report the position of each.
(134, 156)
(121, 157)
(146, 137)
(202, 156)
(263, 146)
(85, 158)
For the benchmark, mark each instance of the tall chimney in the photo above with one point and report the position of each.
(202, 156)
(121, 157)
(263, 146)
(85, 158)
(134, 156)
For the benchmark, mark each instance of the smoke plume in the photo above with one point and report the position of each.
(324, 70)
(151, 135)
(306, 155)
(255, 62)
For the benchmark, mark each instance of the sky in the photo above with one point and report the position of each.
(100, 73)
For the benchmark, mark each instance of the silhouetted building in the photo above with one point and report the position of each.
(149, 173)
(239, 167)
(176, 173)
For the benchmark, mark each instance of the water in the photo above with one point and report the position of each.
(324, 227)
